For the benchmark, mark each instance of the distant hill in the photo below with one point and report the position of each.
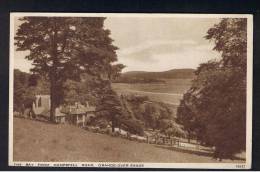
(148, 77)
(170, 74)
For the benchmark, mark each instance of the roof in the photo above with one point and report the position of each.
(41, 95)
(90, 109)
(80, 109)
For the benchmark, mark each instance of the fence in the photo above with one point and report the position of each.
(162, 140)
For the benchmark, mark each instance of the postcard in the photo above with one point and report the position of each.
(117, 90)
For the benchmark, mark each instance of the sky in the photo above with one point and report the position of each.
(153, 43)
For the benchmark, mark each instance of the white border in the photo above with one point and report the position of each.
(246, 165)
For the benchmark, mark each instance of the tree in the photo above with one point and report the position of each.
(131, 125)
(151, 115)
(215, 106)
(171, 128)
(63, 47)
(109, 105)
(25, 88)
(186, 115)
(19, 90)
(79, 91)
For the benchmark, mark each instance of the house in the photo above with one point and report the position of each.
(78, 114)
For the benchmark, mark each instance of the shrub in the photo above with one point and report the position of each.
(133, 126)
(101, 123)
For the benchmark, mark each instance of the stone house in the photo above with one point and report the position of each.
(76, 114)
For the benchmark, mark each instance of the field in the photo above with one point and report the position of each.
(39, 141)
(169, 92)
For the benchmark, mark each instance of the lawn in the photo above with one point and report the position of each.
(39, 141)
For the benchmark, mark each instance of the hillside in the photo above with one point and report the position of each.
(38, 141)
(155, 77)
(170, 74)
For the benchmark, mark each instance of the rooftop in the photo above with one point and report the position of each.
(77, 109)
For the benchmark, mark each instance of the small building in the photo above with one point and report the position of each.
(78, 114)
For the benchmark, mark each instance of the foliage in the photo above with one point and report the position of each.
(63, 47)
(131, 112)
(186, 114)
(74, 91)
(132, 80)
(155, 114)
(135, 77)
(21, 97)
(151, 115)
(102, 123)
(171, 128)
(133, 126)
(214, 109)
(26, 86)
(108, 104)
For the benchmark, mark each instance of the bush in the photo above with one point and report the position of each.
(101, 123)
(133, 126)
(115, 134)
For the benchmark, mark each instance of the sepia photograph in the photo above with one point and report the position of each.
(117, 90)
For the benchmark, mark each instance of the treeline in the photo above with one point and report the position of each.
(214, 109)
(170, 74)
(152, 115)
(134, 80)
(154, 77)
(26, 86)
(136, 113)
(133, 113)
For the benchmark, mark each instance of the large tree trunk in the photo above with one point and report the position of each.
(53, 99)
(53, 76)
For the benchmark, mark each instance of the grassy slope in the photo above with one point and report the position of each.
(38, 141)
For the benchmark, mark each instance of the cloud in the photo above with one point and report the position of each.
(166, 55)
(145, 51)
(155, 43)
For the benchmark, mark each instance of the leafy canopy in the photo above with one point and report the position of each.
(62, 48)
(214, 109)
